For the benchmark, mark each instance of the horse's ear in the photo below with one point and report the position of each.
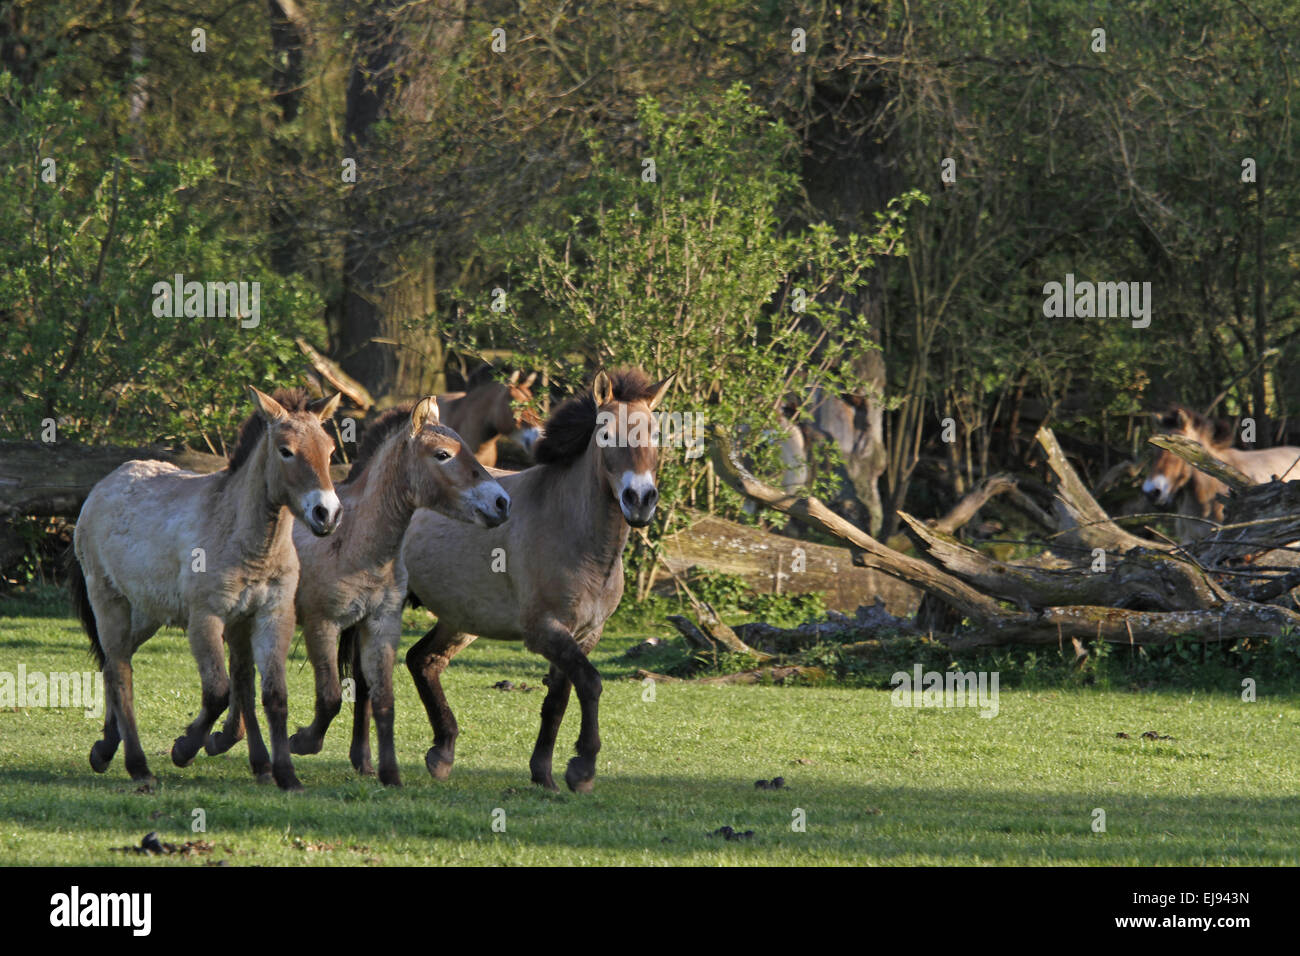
(324, 408)
(661, 390)
(424, 413)
(267, 406)
(514, 377)
(528, 382)
(1180, 418)
(602, 389)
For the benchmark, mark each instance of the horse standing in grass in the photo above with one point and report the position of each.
(552, 575)
(354, 579)
(1170, 474)
(157, 545)
(490, 409)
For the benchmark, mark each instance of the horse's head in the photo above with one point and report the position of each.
(627, 438)
(447, 478)
(506, 407)
(298, 459)
(1169, 473)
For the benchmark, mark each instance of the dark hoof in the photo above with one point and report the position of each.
(99, 760)
(579, 776)
(439, 769)
(265, 777)
(302, 745)
(546, 783)
(147, 781)
(390, 778)
(183, 751)
(286, 780)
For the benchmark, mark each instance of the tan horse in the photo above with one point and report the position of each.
(354, 578)
(490, 409)
(1169, 473)
(214, 553)
(552, 575)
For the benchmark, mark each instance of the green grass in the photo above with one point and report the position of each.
(879, 784)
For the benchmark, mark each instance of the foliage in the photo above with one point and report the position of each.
(80, 341)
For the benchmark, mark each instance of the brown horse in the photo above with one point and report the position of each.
(490, 409)
(156, 545)
(354, 580)
(552, 575)
(1169, 473)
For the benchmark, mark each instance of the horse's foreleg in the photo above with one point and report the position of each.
(359, 752)
(209, 651)
(272, 634)
(557, 645)
(378, 647)
(553, 707)
(242, 692)
(426, 661)
(322, 640)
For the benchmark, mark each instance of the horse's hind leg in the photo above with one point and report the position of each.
(378, 648)
(322, 640)
(557, 645)
(204, 632)
(426, 661)
(553, 707)
(242, 691)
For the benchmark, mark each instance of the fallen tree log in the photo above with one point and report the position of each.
(1081, 518)
(1138, 579)
(966, 509)
(1226, 617)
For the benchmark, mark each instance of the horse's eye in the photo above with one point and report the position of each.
(442, 454)
(285, 452)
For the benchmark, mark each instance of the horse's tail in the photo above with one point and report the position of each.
(81, 604)
(347, 649)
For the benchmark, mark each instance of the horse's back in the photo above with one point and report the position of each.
(137, 529)
(1262, 466)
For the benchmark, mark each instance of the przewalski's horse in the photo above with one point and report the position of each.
(553, 574)
(157, 545)
(354, 579)
(490, 409)
(1169, 473)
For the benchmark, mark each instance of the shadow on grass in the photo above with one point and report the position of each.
(662, 818)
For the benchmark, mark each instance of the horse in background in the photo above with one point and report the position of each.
(1170, 474)
(550, 576)
(157, 545)
(490, 408)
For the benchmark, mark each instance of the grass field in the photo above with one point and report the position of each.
(879, 784)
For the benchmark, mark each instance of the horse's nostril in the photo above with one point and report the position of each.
(503, 504)
(321, 515)
(629, 497)
(651, 496)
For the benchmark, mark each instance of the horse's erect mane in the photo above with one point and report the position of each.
(376, 434)
(569, 429)
(485, 374)
(1219, 430)
(254, 427)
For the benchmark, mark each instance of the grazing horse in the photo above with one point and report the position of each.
(354, 579)
(490, 409)
(552, 575)
(1170, 473)
(157, 545)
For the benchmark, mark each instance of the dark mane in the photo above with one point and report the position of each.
(376, 434)
(482, 375)
(1220, 431)
(568, 430)
(254, 427)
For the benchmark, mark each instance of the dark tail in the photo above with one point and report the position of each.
(81, 604)
(347, 649)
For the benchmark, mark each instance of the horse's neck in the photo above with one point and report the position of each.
(259, 527)
(377, 508)
(592, 517)
(478, 427)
